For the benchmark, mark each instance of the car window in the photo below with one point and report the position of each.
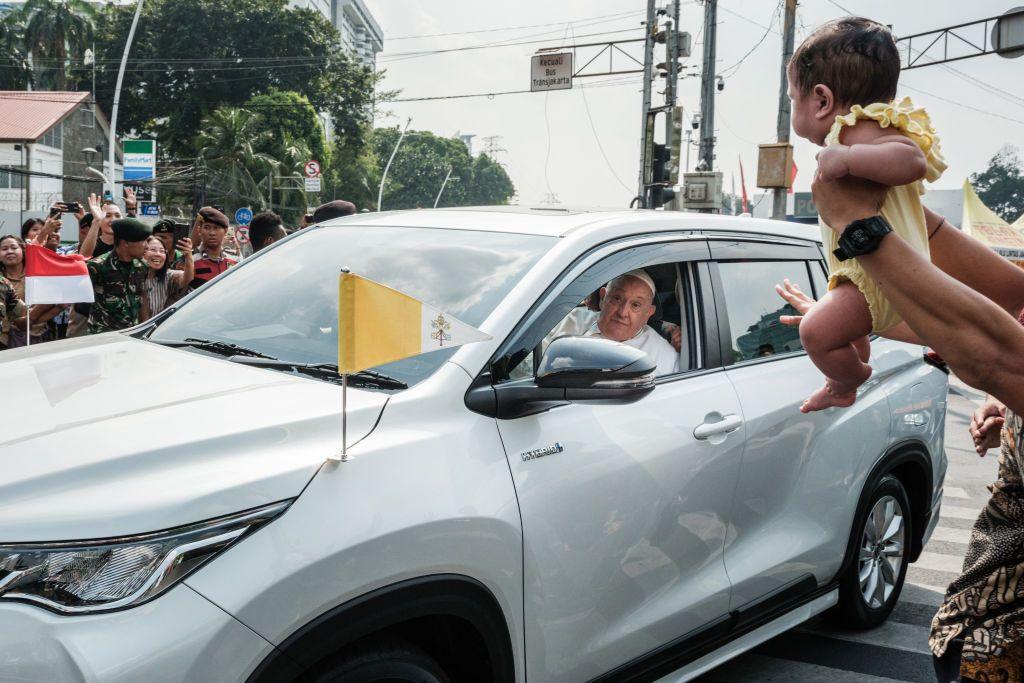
(284, 303)
(754, 308)
(664, 334)
(819, 277)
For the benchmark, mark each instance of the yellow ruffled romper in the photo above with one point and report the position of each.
(902, 207)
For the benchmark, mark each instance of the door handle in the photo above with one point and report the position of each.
(726, 424)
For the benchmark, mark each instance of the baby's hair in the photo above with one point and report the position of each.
(857, 58)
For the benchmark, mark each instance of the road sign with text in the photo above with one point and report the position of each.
(551, 71)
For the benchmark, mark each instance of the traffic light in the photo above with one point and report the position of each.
(661, 184)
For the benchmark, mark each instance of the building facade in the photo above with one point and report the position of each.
(359, 31)
(49, 141)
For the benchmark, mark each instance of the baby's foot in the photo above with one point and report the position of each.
(833, 395)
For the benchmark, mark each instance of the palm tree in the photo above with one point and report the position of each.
(55, 29)
(290, 157)
(15, 70)
(230, 145)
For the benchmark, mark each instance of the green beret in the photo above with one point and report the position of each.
(163, 226)
(131, 230)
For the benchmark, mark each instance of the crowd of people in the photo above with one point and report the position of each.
(137, 270)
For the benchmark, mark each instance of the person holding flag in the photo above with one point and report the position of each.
(54, 280)
(13, 267)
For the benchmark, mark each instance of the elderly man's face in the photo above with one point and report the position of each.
(626, 307)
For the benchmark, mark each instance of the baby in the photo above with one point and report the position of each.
(842, 82)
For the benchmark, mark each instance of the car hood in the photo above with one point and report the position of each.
(109, 435)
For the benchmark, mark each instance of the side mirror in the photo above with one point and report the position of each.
(572, 369)
(594, 369)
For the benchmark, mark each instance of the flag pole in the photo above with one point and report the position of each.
(344, 417)
(28, 324)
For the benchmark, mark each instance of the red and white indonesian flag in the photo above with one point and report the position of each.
(54, 279)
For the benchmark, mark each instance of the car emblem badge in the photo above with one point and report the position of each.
(541, 452)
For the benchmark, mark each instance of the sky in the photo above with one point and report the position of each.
(581, 146)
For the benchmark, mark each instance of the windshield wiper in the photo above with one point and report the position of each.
(223, 348)
(326, 371)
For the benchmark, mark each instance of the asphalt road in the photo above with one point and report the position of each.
(897, 650)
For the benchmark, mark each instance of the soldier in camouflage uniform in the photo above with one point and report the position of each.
(11, 307)
(117, 278)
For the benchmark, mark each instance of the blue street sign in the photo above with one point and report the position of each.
(243, 216)
(150, 210)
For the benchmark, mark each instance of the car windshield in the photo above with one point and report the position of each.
(284, 304)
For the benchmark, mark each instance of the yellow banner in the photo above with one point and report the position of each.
(376, 324)
(986, 226)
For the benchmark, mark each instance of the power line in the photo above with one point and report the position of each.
(597, 138)
(402, 56)
(961, 104)
(735, 67)
(507, 28)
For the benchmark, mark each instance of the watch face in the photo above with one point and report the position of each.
(860, 237)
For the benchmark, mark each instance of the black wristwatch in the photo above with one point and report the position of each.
(862, 237)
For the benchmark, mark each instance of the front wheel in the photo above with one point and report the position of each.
(381, 662)
(870, 587)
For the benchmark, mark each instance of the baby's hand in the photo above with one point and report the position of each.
(832, 162)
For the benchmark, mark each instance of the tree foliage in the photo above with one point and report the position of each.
(189, 58)
(420, 167)
(290, 115)
(1001, 185)
(55, 32)
(15, 70)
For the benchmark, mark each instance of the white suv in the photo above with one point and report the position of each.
(526, 508)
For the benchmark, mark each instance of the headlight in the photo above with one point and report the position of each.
(115, 573)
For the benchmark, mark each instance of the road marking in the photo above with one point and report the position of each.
(890, 634)
(954, 492)
(940, 563)
(942, 533)
(756, 667)
(959, 512)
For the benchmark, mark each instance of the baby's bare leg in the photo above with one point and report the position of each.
(834, 334)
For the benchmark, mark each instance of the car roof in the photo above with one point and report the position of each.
(565, 221)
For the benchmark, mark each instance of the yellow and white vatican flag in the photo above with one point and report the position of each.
(378, 324)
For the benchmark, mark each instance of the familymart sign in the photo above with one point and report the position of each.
(139, 160)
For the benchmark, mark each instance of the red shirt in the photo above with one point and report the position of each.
(208, 268)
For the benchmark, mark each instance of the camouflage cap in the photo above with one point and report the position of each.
(131, 230)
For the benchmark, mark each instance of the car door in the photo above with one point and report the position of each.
(624, 509)
(798, 479)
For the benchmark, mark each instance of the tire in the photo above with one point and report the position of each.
(871, 585)
(390, 661)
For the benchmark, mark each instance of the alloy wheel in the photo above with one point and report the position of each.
(882, 551)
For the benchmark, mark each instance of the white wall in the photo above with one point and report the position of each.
(42, 191)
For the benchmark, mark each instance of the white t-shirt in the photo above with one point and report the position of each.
(654, 345)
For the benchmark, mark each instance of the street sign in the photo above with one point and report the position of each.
(551, 71)
(243, 216)
(312, 168)
(242, 235)
(313, 184)
(139, 159)
(150, 209)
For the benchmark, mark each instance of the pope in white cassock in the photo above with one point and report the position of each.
(627, 303)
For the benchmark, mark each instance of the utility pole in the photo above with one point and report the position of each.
(646, 131)
(671, 88)
(706, 156)
(783, 122)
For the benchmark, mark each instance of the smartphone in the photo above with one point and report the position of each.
(71, 207)
(181, 231)
(107, 196)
